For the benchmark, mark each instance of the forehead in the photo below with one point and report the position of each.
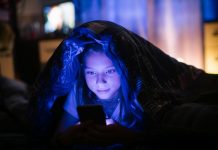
(95, 59)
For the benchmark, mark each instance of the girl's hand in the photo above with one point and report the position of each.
(90, 133)
(76, 134)
(113, 133)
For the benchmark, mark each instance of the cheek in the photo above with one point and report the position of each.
(115, 82)
(89, 82)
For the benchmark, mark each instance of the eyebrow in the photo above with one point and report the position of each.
(86, 67)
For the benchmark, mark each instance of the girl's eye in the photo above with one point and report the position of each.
(110, 71)
(91, 73)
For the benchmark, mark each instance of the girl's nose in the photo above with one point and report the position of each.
(100, 79)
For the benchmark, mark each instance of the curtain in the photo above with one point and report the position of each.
(175, 26)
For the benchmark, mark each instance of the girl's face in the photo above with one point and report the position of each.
(101, 76)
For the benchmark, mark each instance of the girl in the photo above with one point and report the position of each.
(101, 81)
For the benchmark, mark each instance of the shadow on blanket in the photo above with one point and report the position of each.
(201, 113)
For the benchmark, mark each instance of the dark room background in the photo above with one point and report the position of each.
(184, 29)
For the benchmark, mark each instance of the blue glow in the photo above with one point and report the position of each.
(65, 74)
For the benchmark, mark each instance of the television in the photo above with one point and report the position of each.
(59, 18)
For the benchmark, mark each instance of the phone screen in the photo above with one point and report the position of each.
(92, 113)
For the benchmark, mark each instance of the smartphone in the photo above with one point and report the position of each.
(92, 113)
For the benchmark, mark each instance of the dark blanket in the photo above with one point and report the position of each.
(179, 98)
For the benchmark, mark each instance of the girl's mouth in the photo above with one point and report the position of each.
(103, 91)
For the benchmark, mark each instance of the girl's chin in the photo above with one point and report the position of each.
(103, 95)
(106, 96)
(103, 98)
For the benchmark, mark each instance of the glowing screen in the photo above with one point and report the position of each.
(59, 18)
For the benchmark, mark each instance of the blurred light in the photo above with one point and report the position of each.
(180, 60)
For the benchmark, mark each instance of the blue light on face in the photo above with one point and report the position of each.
(105, 85)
